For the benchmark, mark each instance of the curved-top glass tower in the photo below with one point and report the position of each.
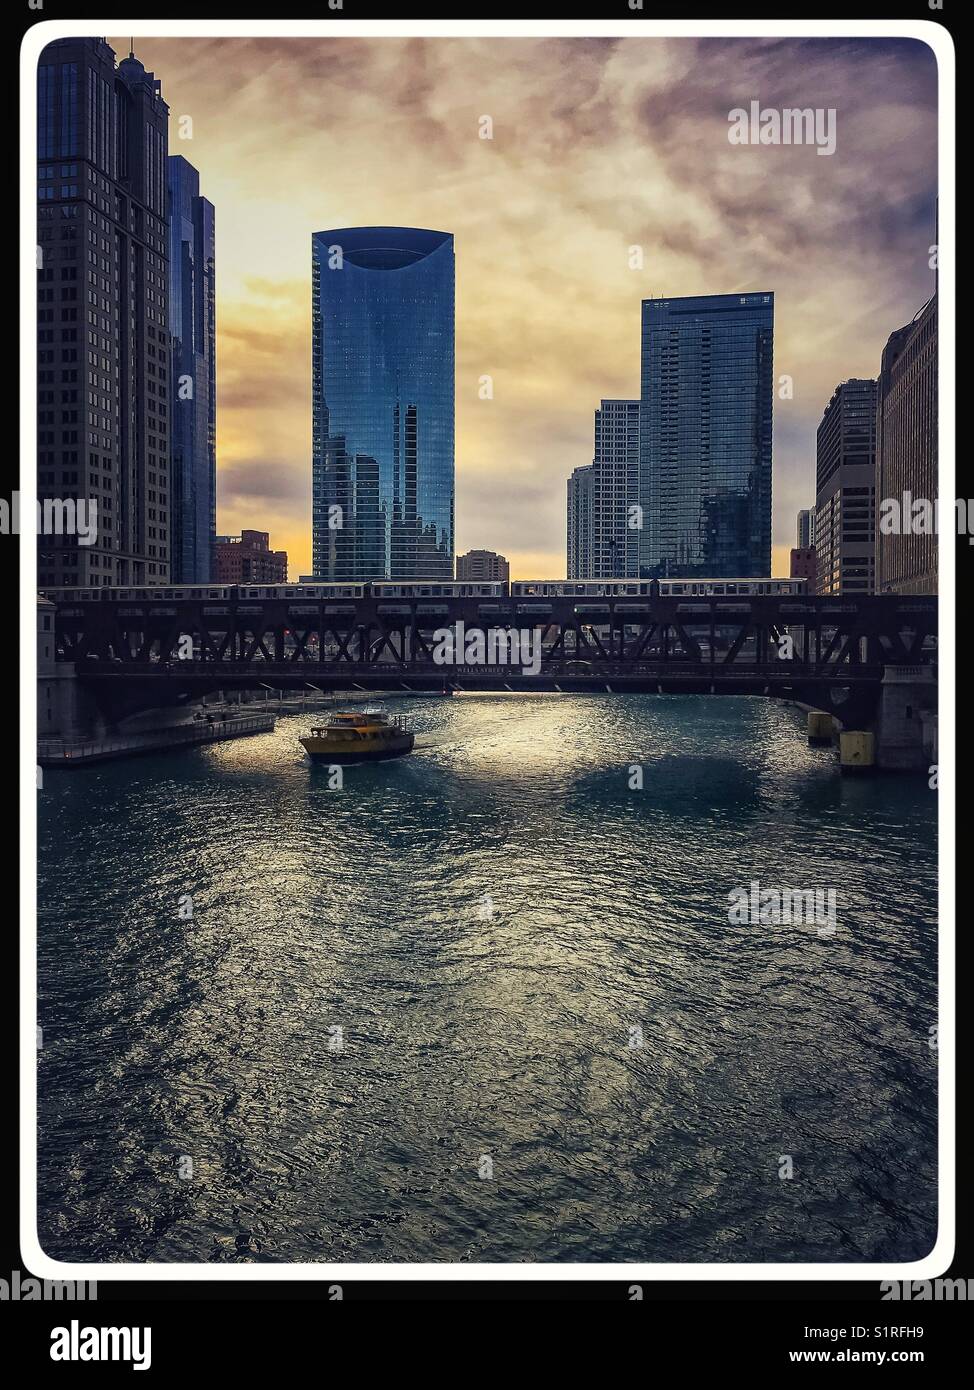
(383, 402)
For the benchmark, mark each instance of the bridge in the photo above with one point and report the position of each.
(828, 653)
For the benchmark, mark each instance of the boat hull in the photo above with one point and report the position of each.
(336, 756)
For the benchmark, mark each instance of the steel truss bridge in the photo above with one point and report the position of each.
(139, 654)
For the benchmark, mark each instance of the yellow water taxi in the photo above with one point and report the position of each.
(365, 737)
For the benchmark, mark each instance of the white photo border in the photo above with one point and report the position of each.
(939, 41)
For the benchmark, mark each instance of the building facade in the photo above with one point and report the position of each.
(248, 559)
(579, 539)
(804, 566)
(383, 411)
(483, 566)
(103, 354)
(616, 513)
(706, 406)
(845, 491)
(806, 528)
(906, 453)
(192, 331)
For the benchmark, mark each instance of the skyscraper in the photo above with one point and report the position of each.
(806, 528)
(803, 563)
(383, 413)
(906, 452)
(579, 537)
(192, 328)
(705, 436)
(615, 491)
(845, 491)
(103, 340)
(248, 559)
(483, 566)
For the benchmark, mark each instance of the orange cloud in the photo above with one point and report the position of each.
(597, 146)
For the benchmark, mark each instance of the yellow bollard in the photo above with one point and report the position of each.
(857, 752)
(819, 727)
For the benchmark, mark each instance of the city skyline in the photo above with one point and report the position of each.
(393, 138)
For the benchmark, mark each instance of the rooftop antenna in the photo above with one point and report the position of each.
(132, 46)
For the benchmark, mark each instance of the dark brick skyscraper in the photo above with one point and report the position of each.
(103, 337)
(248, 559)
(845, 490)
(906, 452)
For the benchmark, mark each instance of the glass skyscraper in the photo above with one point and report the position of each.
(383, 412)
(706, 396)
(192, 331)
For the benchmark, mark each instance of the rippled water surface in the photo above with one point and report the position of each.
(489, 923)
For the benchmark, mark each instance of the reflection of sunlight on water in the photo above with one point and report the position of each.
(486, 919)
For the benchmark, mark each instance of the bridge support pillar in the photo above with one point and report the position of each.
(857, 751)
(64, 710)
(906, 725)
(819, 727)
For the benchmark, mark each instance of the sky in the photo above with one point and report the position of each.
(598, 146)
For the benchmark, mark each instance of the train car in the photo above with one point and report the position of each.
(735, 588)
(152, 593)
(433, 588)
(62, 595)
(644, 588)
(302, 590)
(580, 588)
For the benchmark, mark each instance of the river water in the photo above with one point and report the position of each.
(487, 1002)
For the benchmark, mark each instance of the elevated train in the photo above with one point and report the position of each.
(425, 589)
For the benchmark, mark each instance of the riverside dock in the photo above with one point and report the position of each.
(57, 752)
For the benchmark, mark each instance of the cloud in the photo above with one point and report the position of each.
(598, 145)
